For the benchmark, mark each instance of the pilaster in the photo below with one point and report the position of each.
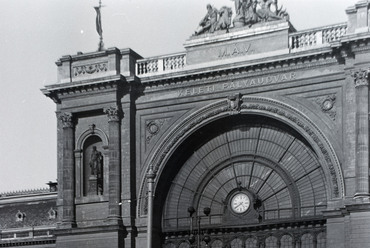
(114, 121)
(362, 132)
(68, 177)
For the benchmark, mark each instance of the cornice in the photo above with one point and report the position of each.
(91, 55)
(232, 72)
(56, 91)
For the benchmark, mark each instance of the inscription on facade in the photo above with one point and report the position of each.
(235, 50)
(238, 84)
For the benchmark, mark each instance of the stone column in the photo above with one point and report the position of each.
(362, 131)
(68, 179)
(114, 118)
(150, 179)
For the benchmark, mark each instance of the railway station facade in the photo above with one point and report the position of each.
(255, 136)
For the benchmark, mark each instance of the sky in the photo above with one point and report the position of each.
(35, 34)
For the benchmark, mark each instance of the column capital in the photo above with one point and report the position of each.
(113, 113)
(66, 119)
(360, 77)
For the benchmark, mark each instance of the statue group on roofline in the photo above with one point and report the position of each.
(247, 13)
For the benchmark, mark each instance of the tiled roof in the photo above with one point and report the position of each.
(24, 192)
(28, 213)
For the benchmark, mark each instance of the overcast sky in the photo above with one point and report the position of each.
(34, 34)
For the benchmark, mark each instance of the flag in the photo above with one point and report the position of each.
(98, 21)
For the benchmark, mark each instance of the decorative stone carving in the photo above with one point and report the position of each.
(52, 214)
(247, 13)
(90, 69)
(234, 103)
(114, 114)
(67, 120)
(20, 216)
(327, 105)
(92, 128)
(209, 22)
(153, 127)
(360, 77)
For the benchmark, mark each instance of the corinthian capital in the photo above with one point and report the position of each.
(113, 113)
(360, 77)
(66, 119)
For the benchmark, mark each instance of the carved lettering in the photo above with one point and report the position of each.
(240, 84)
(234, 50)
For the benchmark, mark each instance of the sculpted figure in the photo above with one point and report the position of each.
(96, 163)
(245, 12)
(265, 13)
(250, 12)
(239, 11)
(224, 20)
(209, 22)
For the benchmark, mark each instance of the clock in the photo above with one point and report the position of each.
(240, 203)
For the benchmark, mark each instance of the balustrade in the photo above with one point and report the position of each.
(297, 41)
(316, 37)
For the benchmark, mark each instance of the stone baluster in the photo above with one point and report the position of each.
(114, 118)
(362, 131)
(68, 178)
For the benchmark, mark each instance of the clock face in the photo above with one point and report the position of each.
(240, 203)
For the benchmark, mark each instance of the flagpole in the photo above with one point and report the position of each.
(99, 28)
(101, 45)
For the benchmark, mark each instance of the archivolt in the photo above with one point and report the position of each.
(258, 106)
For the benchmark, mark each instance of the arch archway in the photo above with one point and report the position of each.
(295, 165)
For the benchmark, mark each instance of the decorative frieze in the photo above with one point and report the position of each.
(113, 113)
(90, 69)
(67, 120)
(360, 77)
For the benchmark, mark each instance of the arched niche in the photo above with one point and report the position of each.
(92, 150)
(89, 139)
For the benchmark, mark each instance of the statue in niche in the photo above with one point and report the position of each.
(96, 163)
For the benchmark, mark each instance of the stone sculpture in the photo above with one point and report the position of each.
(247, 12)
(96, 162)
(209, 21)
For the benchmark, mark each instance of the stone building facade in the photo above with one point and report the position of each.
(256, 136)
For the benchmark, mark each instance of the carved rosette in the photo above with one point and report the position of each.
(113, 113)
(66, 119)
(360, 77)
(327, 105)
(153, 127)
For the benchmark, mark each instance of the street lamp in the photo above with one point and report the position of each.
(206, 238)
